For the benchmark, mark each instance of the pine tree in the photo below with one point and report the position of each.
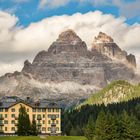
(73, 132)
(100, 127)
(68, 127)
(34, 131)
(111, 129)
(105, 128)
(24, 126)
(130, 127)
(89, 129)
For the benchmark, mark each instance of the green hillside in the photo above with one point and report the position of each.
(117, 91)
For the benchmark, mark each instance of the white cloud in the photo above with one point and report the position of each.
(52, 3)
(18, 44)
(128, 9)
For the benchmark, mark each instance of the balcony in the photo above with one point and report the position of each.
(53, 124)
(1, 124)
(1, 131)
(39, 124)
(16, 124)
(53, 117)
(1, 117)
(39, 118)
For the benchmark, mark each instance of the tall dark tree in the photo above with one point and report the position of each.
(24, 125)
(34, 131)
(111, 127)
(89, 129)
(130, 127)
(101, 126)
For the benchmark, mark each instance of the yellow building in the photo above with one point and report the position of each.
(47, 115)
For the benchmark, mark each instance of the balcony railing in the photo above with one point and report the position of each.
(1, 124)
(39, 118)
(1, 117)
(16, 124)
(1, 131)
(39, 124)
(53, 124)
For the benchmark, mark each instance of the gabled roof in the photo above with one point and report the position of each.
(7, 102)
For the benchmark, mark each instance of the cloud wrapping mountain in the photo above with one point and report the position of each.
(18, 43)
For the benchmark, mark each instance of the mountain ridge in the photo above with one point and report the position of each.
(68, 71)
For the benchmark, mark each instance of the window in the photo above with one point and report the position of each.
(34, 110)
(53, 110)
(49, 129)
(43, 122)
(49, 122)
(5, 115)
(57, 110)
(43, 129)
(5, 121)
(43, 115)
(39, 116)
(13, 129)
(0, 115)
(39, 110)
(57, 116)
(6, 110)
(5, 128)
(43, 110)
(13, 109)
(49, 116)
(34, 116)
(13, 122)
(13, 115)
(56, 121)
(1, 109)
(57, 128)
(49, 110)
(27, 109)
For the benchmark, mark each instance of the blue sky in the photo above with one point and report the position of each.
(29, 11)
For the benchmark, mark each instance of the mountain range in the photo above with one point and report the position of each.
(68, 72)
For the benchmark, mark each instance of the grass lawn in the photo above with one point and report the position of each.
(44, 138)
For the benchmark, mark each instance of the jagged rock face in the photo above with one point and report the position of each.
(69, 72)
(106, 45)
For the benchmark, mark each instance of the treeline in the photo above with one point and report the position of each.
(114, 121)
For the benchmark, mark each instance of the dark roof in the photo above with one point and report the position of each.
(6, 102)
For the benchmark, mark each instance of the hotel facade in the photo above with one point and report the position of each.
(47, 115)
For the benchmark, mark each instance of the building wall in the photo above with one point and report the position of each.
(42, 117)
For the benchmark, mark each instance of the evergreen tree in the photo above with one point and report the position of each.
(68, 127)
(34, 131)
(130, 127)
(89, 129)
(24, 126)
(73, 132)
(111, 129)
(105, 128)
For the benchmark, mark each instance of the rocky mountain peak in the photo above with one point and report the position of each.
(103, 38)
(69, 36)
(68, 42)
(104, 44)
